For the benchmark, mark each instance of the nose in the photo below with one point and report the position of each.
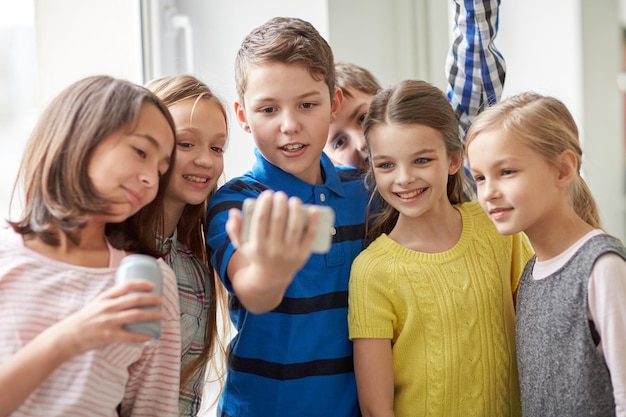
(405, 176)
(150, 177)
(361, 151)
(203, 159)
(489, 190)
(361, 145)
(289, 122)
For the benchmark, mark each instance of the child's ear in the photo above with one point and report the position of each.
(240, 112)
(567, 164)
(335, 103)
(456, 160)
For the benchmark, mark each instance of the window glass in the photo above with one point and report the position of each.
(18, 92)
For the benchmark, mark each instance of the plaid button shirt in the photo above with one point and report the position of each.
(191, 275)
(474, 67)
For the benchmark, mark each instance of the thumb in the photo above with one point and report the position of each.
(233, 227)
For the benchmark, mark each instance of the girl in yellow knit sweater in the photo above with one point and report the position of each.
(431, 300)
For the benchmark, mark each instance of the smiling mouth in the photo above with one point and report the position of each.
(411, 194)
(498, 211)
(292, 148)
(193, 178)
(135, 197)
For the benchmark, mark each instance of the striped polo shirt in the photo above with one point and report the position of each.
(297, 359)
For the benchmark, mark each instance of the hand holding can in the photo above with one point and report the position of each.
(136, 267)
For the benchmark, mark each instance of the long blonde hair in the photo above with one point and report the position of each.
(545, 125)
(191, 228)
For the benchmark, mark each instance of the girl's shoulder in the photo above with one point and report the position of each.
(382, 255)
(376, 251)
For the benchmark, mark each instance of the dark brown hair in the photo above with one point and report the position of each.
(59, 196)
(407, 103)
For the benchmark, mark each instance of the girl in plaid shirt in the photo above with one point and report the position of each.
(201, 136)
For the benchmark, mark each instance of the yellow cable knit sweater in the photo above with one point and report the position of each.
(450, 318)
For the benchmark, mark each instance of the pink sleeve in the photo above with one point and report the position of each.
(607, 292)
(154, 380)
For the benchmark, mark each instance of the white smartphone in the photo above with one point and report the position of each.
(325, 230)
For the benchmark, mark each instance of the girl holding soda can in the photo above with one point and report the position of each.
(92, 176)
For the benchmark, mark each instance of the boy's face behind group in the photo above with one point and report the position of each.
(346, 143)
(288, 113)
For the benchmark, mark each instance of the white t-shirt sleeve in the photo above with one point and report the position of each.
(607, 307)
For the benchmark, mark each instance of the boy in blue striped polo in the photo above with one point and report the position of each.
(291, 355)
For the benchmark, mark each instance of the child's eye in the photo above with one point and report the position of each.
(307, 105)
(140, 152)
(339, 143)
(217, 149)
(384, 165)
(267, 109)
(478, 178)
(184, 145)
(508, 171)
(422, 161)
(361, 118)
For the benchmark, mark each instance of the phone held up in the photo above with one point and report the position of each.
(325, 229)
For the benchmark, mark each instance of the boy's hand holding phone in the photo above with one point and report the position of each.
(323, 234)
(276, 236)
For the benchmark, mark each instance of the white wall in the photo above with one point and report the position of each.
(78, 38)
(18, 92)
(395, 39)
(539, 57)
(603, 125)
